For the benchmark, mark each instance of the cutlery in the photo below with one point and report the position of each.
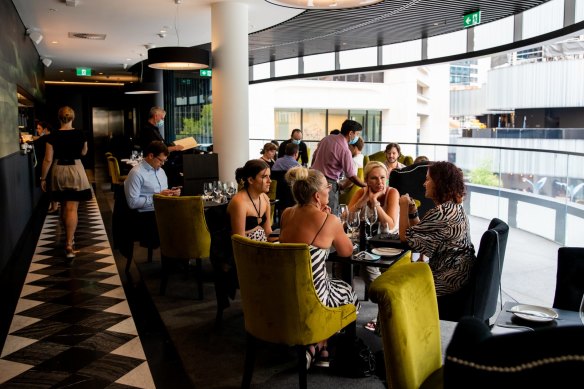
(534, 314)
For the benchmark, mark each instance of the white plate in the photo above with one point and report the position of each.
(534, 313)
(386, 251)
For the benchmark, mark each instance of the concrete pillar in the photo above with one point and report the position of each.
(229, 47)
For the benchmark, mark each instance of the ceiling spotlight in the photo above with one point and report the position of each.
(34, 36)
(47, 61)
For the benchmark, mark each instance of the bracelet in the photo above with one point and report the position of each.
(413, 215)
(377, 204)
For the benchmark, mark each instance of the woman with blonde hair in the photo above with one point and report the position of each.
(385, 199)
(320, 230)
(69, 183)
(268, 152)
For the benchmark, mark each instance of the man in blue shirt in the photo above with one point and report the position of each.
(144, 181)
(289, 160)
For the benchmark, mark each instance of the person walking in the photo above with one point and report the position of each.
(69, 183)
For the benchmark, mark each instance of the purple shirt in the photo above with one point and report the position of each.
(333, 157)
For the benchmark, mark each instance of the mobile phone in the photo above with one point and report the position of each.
(176, 187)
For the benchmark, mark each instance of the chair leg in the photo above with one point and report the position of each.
(164, 275)
(199, 270)
(250, 352)
(301, 351)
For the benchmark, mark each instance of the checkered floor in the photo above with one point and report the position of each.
(72, 326)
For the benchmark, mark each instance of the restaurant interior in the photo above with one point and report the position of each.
(114, 317)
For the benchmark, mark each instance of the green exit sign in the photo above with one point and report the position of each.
(471, 19)
(205, 72)
(83, 71)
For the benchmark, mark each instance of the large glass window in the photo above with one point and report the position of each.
(314, 124)
(285, 120)
(192, 110)
(336, 117)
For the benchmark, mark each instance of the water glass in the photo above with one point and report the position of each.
(207, 189)
(353, 221)
(343, 213)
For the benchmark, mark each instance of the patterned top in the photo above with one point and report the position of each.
(443, 235)
(331, 291)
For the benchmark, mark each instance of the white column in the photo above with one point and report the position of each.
(229, 29)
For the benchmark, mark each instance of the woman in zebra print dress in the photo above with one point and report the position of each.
(310, 222)
(443, 234)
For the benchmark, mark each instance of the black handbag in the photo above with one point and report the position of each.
(353, 358)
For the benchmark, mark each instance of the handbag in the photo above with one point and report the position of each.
(353, 358)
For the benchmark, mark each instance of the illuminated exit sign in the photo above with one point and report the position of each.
(83, 71)
(205, 72)
(471, 19)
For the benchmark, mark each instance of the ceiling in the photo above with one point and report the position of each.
(130, 26)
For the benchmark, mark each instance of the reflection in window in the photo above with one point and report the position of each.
(192, 110)
(285, 120)
(314, 124)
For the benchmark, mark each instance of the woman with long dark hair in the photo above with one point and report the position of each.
(443, 234)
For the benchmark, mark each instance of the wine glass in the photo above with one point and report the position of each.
(217, 190)
(370, 219)
(353, 221)
(582, 310)
(231, 189)
(207, 189)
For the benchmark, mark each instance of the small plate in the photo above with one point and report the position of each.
(534, 313)
(386, 251)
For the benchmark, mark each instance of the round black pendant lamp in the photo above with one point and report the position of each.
(141, 88)
(178, 58)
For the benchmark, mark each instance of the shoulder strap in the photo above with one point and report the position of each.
(320, 229)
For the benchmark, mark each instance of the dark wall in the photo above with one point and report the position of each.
(20, 68)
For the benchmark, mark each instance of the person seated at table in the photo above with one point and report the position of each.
(385, 199)
(144, 181)
(289, 160)
(320, 230)
(443, 234)
(268, 152)
(249, 209)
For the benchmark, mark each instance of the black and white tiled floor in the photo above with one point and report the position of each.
(72, 326)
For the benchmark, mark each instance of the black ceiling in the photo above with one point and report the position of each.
(391, 21)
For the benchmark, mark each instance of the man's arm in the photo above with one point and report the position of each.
(132, 186)
(282, 149)
(303, 154)
(355, 180)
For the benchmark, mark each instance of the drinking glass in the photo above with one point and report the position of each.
(217, 190)
(582, 310)
(370, 219)
(383, 230)
(231, 189)
(343, 213)
(207, 189)
(353, 221)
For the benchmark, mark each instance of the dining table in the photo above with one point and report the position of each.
(508, 321)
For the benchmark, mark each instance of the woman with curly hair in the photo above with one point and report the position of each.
(443, 234)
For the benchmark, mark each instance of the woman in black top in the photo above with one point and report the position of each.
(69, 183)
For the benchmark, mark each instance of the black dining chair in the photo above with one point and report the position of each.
(479, 297)
(410, 179)
(549, 357)
(569, 278)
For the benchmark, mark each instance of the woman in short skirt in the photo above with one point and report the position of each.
(69, 180)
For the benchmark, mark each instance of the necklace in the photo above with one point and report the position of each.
(254, 207)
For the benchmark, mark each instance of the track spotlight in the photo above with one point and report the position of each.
(34, 36)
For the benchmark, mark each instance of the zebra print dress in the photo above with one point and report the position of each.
(443, 235)
(331, 291)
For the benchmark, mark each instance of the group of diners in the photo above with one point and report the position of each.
(442, 234)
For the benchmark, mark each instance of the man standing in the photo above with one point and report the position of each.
(150, 132)
(296, 138)
(144, 181)
(333, 157)
(289, 160)
(392, 153)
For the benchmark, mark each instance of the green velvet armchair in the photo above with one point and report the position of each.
(280, 304)
(410, 328)
(183, 234)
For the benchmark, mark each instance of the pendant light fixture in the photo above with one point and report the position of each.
(177, 57)
(141, 88)
(323, 4)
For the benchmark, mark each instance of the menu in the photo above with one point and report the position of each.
(186, 143)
